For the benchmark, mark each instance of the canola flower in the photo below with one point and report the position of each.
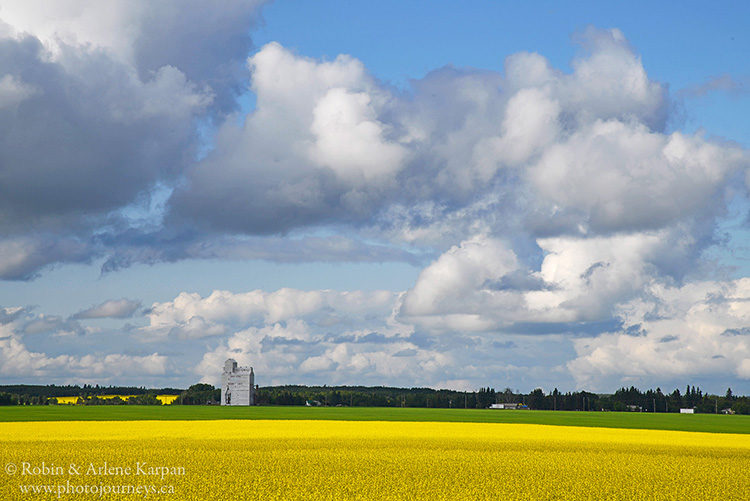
(276, 459)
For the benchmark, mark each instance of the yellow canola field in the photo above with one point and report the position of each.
(164, 399)
(66, 400)
(277, 459)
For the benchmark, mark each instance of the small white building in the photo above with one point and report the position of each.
(505, 406)
(687, 411)
(237, 384)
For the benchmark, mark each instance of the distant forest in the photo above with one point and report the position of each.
(624, 399)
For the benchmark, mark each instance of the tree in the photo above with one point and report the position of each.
(741, 407)
(536, 399)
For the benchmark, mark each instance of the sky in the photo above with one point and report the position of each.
(505, 194)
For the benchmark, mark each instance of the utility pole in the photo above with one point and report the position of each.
(654, 405)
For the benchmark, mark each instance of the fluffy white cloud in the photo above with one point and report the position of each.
(396, 360)
(480, 285)
(256, 308)
(332, 362)
(620, 176)
(457, 291)
(530, 124)
(350, 140)
(315, 139)
(699, 329)
(587, 277)
(612, 83)
(333, 336)
(534, 152)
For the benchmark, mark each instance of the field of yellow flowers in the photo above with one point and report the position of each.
(164, 399)
(277, 459)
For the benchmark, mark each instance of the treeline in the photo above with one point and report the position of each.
(87, 394)
(199, 394)
(633, 399)
(624, 399)
(377, 396)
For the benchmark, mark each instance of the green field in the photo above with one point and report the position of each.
(695, 422)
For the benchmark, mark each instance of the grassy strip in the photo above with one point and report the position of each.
(697, 422)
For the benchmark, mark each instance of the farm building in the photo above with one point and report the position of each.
(505, 406)
(237, 384)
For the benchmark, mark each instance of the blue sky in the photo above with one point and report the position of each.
(400, 193)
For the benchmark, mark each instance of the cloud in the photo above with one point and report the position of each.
(342, 336)
(614, 176)
(336, 363)
(452, 293)
(113, 308)
(18, 361)
(51, 323)
(336, 337)
(91, 136)
(13, 91)
(155, 247)
(481, 286)
(311, 337)
(22, 257)
(697, 330)
(611, 83)
(8, 315)
(316, 138)
(720, 83)
(538, 150)
(527, 154)
(99, 104)
(208, 43)
(190, 315)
